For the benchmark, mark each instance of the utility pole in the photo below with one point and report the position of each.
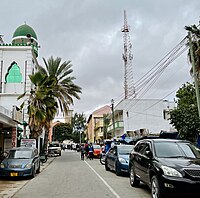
(194, 71)
(113, 116)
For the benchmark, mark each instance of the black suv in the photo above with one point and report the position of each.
(169, 167)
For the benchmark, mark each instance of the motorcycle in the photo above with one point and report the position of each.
(43, 157)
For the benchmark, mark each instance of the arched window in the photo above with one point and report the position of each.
(14, 75)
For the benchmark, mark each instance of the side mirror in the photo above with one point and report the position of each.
(149, 154)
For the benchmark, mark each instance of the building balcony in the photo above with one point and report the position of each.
(118, 125)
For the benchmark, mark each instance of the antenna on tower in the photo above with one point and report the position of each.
(1, 39)
(127, 56)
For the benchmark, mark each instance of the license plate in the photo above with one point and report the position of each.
(13, 174)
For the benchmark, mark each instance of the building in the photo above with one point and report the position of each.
(17, 61)
(95, 126)
(137, 117)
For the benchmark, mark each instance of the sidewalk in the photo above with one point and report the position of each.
(10, 187)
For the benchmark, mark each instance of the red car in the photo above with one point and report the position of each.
(97, 150)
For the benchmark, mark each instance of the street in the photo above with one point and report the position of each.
(68, 176)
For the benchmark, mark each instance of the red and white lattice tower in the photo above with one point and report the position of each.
(127, 56)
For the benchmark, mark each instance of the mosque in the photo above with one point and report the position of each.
(17, 61)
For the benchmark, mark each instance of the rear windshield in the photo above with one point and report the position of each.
(96, 146)
(176, 149)
(125, 150)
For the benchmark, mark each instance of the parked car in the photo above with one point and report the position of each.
(21, 161)
(167, 166)
(117, 158)
(54, 148)
(97, 150)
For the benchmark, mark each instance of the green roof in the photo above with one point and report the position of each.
(24, 30)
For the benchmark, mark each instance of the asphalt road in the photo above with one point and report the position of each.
(68, 176)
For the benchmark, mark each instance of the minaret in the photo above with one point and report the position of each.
(127, 56)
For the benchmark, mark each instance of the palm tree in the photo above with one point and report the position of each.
(41, 103)
(64, 89)
(195, 33)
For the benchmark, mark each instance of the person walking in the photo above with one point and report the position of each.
(91, 152)
(82, 150)
(86, 149)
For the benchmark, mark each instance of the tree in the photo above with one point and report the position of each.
(195, 33)
(64, 89)
(62, 131)
(40, 103)
(79, 126)
(106, 122)
(185, 116)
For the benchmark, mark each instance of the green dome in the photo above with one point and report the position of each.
(24, 30)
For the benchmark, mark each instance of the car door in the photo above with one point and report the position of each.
(145, 161)
(137, 157)
(111, 157)
(114, 157)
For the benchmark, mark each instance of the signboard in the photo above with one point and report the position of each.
(28, 143)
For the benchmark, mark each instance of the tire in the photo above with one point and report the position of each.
(33, 172)
(156, 189)
(38, 170)
(106, 167)
(117, 170)
(134, 180)
(102, 160)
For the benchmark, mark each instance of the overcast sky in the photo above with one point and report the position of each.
(88, 32)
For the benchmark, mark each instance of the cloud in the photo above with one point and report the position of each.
(89, 34)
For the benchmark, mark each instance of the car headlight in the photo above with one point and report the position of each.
(2, 165)
(171, 171)
(122, 160)
(28, 166)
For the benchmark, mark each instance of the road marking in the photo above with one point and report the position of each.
(109, 187)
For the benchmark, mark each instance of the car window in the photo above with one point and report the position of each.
(125, 150)
(168, 149)
(20, 154)
(111, 151)
(96, 146)
(190, 150)
(139, 147)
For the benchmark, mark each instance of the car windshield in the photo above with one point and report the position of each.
(96, 146)
(176, 149)
(20, 154)
(125, 150)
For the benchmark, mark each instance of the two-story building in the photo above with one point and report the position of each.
(137, 117)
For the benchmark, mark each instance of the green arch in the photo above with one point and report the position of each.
(14, 75)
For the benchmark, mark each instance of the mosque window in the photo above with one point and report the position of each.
(14, 75)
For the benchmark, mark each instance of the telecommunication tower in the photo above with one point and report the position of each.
(127, 56)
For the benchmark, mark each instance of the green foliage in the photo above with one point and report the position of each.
(79, 126)
(185, 116)
(62, 131)
(106, 122)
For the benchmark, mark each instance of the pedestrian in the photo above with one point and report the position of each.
(82, 149)
(91, 151)
(86, 149)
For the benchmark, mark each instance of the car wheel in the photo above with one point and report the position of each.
(156, 190)
(117, 169)
(38, 170)
(106, 166)
(134, 180)
(33, 172)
